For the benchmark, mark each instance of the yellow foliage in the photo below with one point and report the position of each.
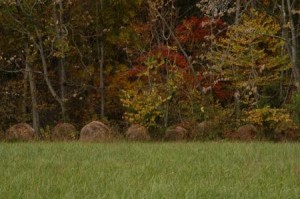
(269, 118)
(144, 103)
(251, 55)
(143, 107)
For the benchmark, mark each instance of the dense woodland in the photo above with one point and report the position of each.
(157, 63)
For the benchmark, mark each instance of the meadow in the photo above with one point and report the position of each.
(150, 170)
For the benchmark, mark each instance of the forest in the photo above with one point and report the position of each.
(214, 64)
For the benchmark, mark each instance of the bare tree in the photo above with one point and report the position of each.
(290, 33)
(100, 53)
(33, 93)
(60, 37)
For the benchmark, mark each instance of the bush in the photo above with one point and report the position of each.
(294, 107)
(46, 133)
(143, 107)
(269, 119)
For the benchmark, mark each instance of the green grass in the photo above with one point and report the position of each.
(150, 170)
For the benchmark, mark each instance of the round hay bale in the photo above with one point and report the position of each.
(176, 133)
(246, 132)
(203, 129)
(96, 131)
(287, 134)
(64, 132)
(20, 132)
(137, 133)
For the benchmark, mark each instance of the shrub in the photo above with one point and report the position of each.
(46, 133)
(269, 119)
(142, 107)
(294, 107)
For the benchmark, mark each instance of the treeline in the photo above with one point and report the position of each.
(155, 63)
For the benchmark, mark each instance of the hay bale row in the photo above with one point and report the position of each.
(97, 131)
(188, 130)
(94, 131)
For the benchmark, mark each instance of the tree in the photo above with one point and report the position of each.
(251, 56)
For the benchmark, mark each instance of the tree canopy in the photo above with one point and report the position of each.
(151, 62)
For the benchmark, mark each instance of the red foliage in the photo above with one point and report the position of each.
(222, 92)
(162, 54)
(195, 29)
(135, 71)
(168, 54)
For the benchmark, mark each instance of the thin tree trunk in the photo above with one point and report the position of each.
(237, 108)
(25, 93)
(294, 44)
(237, 12)
(40, 48)
(33, 91)
(100, 56)
(102, 86)
(59, 23)
(62, 59)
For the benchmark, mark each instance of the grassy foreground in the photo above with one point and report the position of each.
(150, 170)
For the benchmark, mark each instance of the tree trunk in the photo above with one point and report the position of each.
(237, 12)
(34, 103)
(25, 93)
(237, 108)
(100, 56)
(59, 28)
(294, 45)
(62, 59)
(40, 48)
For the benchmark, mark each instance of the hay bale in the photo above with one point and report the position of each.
(96, 131)
(176, 133)
(203, 129)
(137, 133)
(287, 134)
(246, 132)
(64, 132)
(20, 132)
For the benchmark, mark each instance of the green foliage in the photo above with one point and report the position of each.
(294, 107)
(46, 133)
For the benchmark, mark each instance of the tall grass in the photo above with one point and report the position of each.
(150, 170)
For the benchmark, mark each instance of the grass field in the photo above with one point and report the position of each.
(150, 170)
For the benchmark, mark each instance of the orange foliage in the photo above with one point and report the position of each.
(166, 53)
(222, 92)
(195, 29)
